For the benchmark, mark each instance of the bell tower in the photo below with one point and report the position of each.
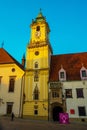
(37, 70)
(39, 29)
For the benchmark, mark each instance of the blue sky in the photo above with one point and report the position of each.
(67, 20)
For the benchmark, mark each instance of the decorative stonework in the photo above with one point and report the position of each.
(55, 85)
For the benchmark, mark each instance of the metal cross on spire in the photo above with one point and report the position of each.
(40, 10)
(2, 44)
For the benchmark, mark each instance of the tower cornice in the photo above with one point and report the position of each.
(40, 44)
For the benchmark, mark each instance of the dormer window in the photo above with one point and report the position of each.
(62, 74)
(83, 73)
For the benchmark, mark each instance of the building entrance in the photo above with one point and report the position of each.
(56, 111)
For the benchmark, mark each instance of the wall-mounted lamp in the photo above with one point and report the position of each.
(44, 107)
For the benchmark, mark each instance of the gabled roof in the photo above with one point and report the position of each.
(71, 63)
(6, 58)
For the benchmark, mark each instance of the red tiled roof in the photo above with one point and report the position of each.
(71, 63)
(6, 58)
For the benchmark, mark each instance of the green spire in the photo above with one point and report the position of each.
(40, 17)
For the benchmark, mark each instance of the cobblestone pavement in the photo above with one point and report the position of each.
(26, 124)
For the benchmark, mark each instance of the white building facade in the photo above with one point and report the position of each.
(68, 86)
(11, 85)
(75, 94)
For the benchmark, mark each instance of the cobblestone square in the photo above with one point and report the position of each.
(26, 124)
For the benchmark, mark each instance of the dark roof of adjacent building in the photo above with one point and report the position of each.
(6, 58)
(71, 63)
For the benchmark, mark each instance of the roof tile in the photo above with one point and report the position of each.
(72, 64)
(6, 58)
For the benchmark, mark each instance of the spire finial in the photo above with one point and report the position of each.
(2, 44)
(24, 55)
(40, 10)
(23, 60)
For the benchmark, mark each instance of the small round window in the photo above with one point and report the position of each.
(13, 69)
(36, 52)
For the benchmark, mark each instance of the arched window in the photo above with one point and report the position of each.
(36, 93)
(11, 84)
(36, 65)
(38, 28)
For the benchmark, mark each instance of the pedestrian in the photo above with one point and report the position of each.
(12, 116)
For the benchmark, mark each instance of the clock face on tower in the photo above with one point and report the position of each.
(37, 34)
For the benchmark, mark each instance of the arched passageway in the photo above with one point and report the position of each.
(56, 111)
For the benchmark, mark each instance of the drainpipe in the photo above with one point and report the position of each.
(21, 96)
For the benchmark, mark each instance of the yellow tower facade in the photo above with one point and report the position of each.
(37, 70)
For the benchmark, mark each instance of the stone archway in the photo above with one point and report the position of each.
(55, 112)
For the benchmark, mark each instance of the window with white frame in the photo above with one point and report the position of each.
(55, 94)
(9, 107)
(62, 74)
(81, 111)
(11, 83)
(68, 93)
(83, 73)
(80, 93)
